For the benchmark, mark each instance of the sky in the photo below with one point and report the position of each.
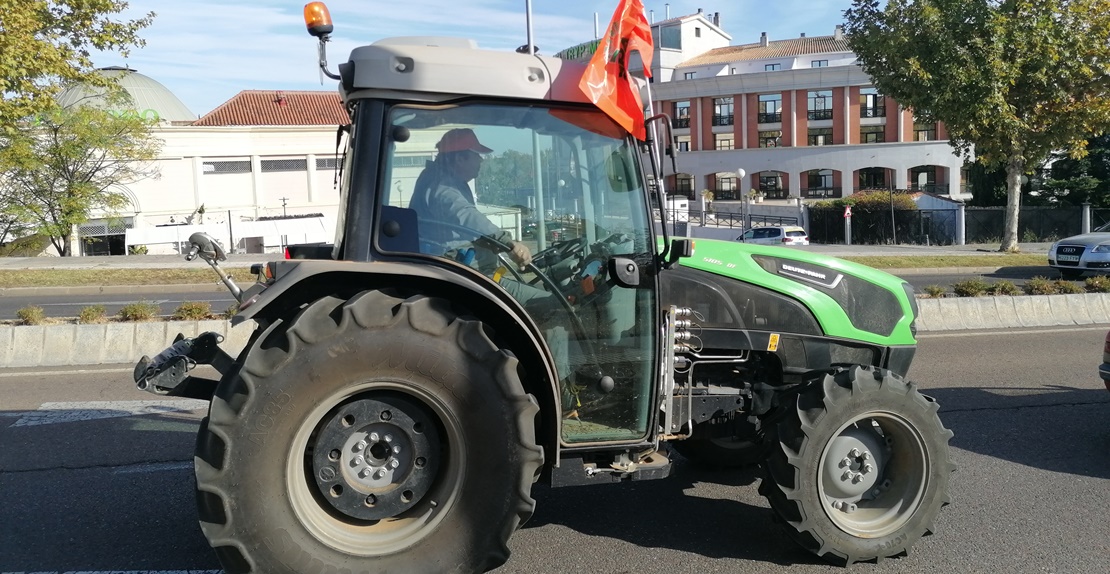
(206, 51)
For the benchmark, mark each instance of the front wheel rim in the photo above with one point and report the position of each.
(873, 474)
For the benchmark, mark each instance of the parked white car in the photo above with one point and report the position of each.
(1072, 256)
(775, 235)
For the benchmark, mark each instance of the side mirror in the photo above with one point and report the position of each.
(680, 248)
(206, 246)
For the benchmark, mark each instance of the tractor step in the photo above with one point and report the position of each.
(576, 470)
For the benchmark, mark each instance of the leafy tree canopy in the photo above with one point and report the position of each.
(47, 43)
(71, 165)
(1015, 79)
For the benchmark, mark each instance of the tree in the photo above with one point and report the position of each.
(69, 165)
(1071, 181)
(1013, 79)
(46, 43)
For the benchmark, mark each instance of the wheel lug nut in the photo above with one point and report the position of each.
(854, 453)
(361, 445)
(846, 462)
(867, 468)
(394, 463)
(857, 478)
(371, 500)
(359, 459)
(396, 450)
(847, 475)
(364, 473)
(373, 437)
(866, 455)
(388, 438)
(379, 474)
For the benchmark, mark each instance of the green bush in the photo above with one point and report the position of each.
(141, 311)
(1004, 288)
(231, 311)
(1097, 284)
(137, 250)
(192, 311)
(974, 287)
(91, 314)
(1069, 288)
(31, 315)
(934, 291)
(1040, 286)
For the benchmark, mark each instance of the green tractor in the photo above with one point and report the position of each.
(403, 390)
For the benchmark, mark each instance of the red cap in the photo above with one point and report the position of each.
(461, 139)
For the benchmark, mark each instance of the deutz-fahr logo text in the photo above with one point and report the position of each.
(810, 275)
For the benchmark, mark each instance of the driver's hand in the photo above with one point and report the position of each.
(520, 253)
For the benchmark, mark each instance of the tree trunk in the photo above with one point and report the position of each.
(1015, 167)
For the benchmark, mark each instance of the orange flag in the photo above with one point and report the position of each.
(606, 81)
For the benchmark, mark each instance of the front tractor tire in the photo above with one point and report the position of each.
(859, 465)
(369, 435)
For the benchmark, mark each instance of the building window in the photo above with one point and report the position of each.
(723, 142)
(733, 71)
(222, 167)
(772, 67)
(681, 114)
(819, 64)
(327, 163)
(923, 132)
(770, 108)
(819, 179)
(670, 37)
(688, 75)
(872, 104)
(820, 136)
(872, 134)
(770, 183)
(770, 138)
(697, 32)
(726, 183)
(275, 165)
(683, 144)
(684, 184)
(722, 111)
(872, 178)
(820, 105)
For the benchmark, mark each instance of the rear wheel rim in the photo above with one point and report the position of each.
(393, 499)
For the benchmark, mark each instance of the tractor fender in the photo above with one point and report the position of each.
(300, 282)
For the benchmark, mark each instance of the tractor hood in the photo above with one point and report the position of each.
(849, 300)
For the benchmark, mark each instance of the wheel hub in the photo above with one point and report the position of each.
(375, 457)
(852, 466)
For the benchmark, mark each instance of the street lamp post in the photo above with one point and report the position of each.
(740, 173)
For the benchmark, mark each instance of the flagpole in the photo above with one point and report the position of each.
(528, 19)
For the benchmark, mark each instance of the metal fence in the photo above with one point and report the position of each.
(1035, 224)
(907, 226)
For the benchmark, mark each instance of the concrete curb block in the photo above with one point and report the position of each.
(110, 343)
(68, 345)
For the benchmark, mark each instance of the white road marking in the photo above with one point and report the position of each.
(119, 572)
(1006, 332)
(66, 372)
(56, 413)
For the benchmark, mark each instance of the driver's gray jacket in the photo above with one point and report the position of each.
(440, 196)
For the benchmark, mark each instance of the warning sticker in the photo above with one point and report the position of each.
(773, 343)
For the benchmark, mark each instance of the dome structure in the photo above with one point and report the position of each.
(150, 99)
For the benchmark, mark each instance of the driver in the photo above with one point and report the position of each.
(442, 193)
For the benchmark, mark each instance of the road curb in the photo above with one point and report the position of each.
(73, 345)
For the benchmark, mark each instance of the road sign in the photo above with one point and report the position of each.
(847, 212)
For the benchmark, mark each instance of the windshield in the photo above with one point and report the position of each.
(540, 200)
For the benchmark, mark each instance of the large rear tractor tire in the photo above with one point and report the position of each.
(859, 466)
(369, 435)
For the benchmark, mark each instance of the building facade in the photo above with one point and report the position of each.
(798, 116)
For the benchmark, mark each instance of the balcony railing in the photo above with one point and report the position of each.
(722, 120)
(727, 194)
(820, 114)
(775, 193)
(680, 123)
(872, 112)
(769, 118)
(935, 188)
(822, 192)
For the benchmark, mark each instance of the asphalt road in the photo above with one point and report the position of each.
(91, 485)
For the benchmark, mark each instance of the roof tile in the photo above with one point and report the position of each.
(278, 108)
(773, 49)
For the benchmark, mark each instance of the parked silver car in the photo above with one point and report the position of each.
(1088, 252)
(775, 235)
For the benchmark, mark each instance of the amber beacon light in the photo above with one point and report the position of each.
(317, 19)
